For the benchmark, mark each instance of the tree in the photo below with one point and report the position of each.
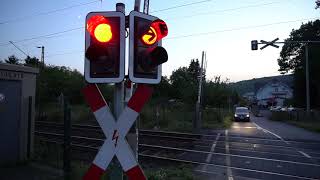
(163, 90)
(31, 61)
(293, 58)
(194, 69)
(55, 80)
(317, 4)
(12, 60)
(183, 85)
(217, 93)
(185, 82)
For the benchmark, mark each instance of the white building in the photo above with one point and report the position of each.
(273, 94)
(250, 96)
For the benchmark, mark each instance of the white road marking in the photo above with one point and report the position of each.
(279, 137)
(305, 154)
(245, 127)
(228, 161)
(204, 168)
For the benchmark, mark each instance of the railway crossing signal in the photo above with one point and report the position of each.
(105, 63)
(254, 45)
(146, 53)
(271, 43)
(115, 131)
(105, 47)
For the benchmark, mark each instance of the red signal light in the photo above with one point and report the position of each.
(99, 28)
(157, 30)
(161, 28)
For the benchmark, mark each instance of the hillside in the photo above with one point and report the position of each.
(254, 84)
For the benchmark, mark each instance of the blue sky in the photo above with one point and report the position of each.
(223, 28)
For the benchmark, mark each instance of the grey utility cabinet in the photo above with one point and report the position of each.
(17, 112)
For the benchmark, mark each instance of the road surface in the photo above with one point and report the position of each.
(260, 149)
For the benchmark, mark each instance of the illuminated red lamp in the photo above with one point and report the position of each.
(157, 30)
(161, 28)
(99, 28)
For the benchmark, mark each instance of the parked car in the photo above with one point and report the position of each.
(242, 114)
(275, 108)
(291, 108)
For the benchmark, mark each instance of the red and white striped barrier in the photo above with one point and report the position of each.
(115, 131)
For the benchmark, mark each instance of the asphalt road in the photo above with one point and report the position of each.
(260, 149)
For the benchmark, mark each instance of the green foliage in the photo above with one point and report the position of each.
(12, 60)
(174, 116)
(288, 102)
(184, 85)
(214, 118)
(31, 61)
(163, 91)
(218, 93)
(293, 59)
(56, 80)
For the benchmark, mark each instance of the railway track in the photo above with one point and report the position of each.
(195, 148)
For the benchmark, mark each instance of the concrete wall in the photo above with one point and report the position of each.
(26, 78)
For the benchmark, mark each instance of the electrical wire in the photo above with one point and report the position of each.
(44, 36)
(180, 6)
(175, 37)
(18, 48)
(17, 19)
(239, 28)
(208, 33)
(65, 53)
(224, 10)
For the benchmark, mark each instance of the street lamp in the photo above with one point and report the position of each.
(42, 55)
(41, 68)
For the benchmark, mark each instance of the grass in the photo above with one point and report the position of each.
(51, 155)
(225, 124)
(179, 117)
(172, 117)
(48, 153)
(168, 117)
(81, 113)
(309, 125)
(214, 118)
(181, 172)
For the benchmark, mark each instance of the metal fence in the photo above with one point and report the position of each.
(298, 115)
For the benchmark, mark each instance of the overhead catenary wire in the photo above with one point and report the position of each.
(22, 18)
(238, 28)
(44, 36)
(65, 53)
(208, 33)
(18, 48)
(180, 6)
(224, 10)
(52, 35)
(27, 17)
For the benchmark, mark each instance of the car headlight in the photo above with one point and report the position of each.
(248, 115)
(235, 115)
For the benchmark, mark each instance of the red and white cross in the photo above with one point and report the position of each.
(115, 131)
